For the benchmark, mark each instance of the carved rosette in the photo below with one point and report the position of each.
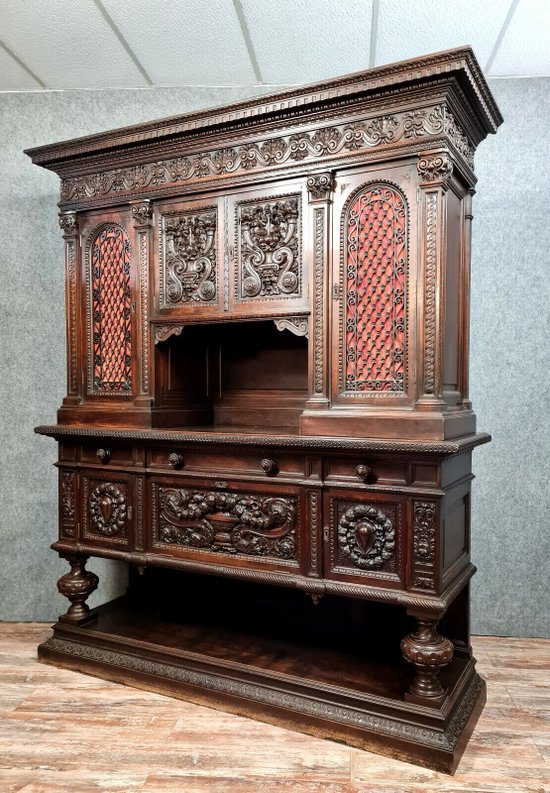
(429, 652)
(366, 535)
(320, 186)
(435, 169)
(189, 266)
(424, 525)
(270, 265)
(108, 510)
(227, 522)
(77, 585)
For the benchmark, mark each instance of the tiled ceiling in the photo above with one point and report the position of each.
(67, 44)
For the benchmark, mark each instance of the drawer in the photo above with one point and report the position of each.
(241, 524)
(365, 538)
(364, 469)
(266, 464)
(105, 454)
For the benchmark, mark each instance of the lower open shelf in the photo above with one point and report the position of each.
(278, 658)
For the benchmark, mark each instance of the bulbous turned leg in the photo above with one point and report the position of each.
(429, 652)
(77, 585)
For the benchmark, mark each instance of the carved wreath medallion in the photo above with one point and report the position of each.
(108, 510)
(229, 522)
(190, 258)
(270, 265)
(366, 535)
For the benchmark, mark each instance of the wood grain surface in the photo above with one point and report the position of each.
(63, 731)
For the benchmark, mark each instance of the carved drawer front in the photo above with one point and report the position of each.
(106, 454)
(365, 470)
(268, 270)
(269, 464)
(190, 258)
(107, 509)
(365, 538)
(242, 525)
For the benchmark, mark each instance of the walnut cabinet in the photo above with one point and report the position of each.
(267, 412)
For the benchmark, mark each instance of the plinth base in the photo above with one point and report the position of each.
(345, 694)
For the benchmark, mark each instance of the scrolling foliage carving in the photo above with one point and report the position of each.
(374, 277)
(270, 249)
(190, 258)
(229, 522)
(424, 544)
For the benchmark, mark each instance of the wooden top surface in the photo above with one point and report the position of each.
(255, 436)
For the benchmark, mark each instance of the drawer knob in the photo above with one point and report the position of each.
(103, 455)
(175, 460)
(363, 472)
(269, 467)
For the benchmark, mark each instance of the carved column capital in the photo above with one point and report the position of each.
(435, 169)
(68, 222)
(142, 211)
(320, 186)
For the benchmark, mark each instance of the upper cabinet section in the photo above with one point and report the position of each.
(241, 255)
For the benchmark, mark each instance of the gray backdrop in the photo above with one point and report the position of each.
(510, 359)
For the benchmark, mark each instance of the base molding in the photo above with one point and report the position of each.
(431, 736)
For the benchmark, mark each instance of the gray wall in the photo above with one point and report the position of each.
(509, 363)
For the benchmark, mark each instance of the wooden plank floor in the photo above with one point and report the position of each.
(65, 732)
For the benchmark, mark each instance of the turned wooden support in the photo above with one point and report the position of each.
(77, 585)
(429, 652)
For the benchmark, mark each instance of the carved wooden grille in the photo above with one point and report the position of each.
(374, 280)
(111, 309)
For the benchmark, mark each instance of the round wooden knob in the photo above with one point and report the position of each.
(269, 467)
(175, 460)
(103, 455)
(363, 472)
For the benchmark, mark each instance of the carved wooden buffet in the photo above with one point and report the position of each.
(267, 413)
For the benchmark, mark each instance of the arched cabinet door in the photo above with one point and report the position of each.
(373, 289)
(109, 306)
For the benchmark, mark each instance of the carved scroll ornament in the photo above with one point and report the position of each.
(270, 257)
(190, 259)
(229, 522)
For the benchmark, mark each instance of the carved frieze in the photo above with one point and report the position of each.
(424, 514)
(366, 536)
(269, 263)
(233, 523)
(108, 509)
(188, 263)
(333, 140)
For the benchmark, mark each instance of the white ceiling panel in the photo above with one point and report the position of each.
(13, 77)
(299, 41)
(525, 48)
(67, 44)
(196, 42)
(407, 30)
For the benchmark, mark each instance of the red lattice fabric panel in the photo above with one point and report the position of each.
(111, 311)
(375, 279)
